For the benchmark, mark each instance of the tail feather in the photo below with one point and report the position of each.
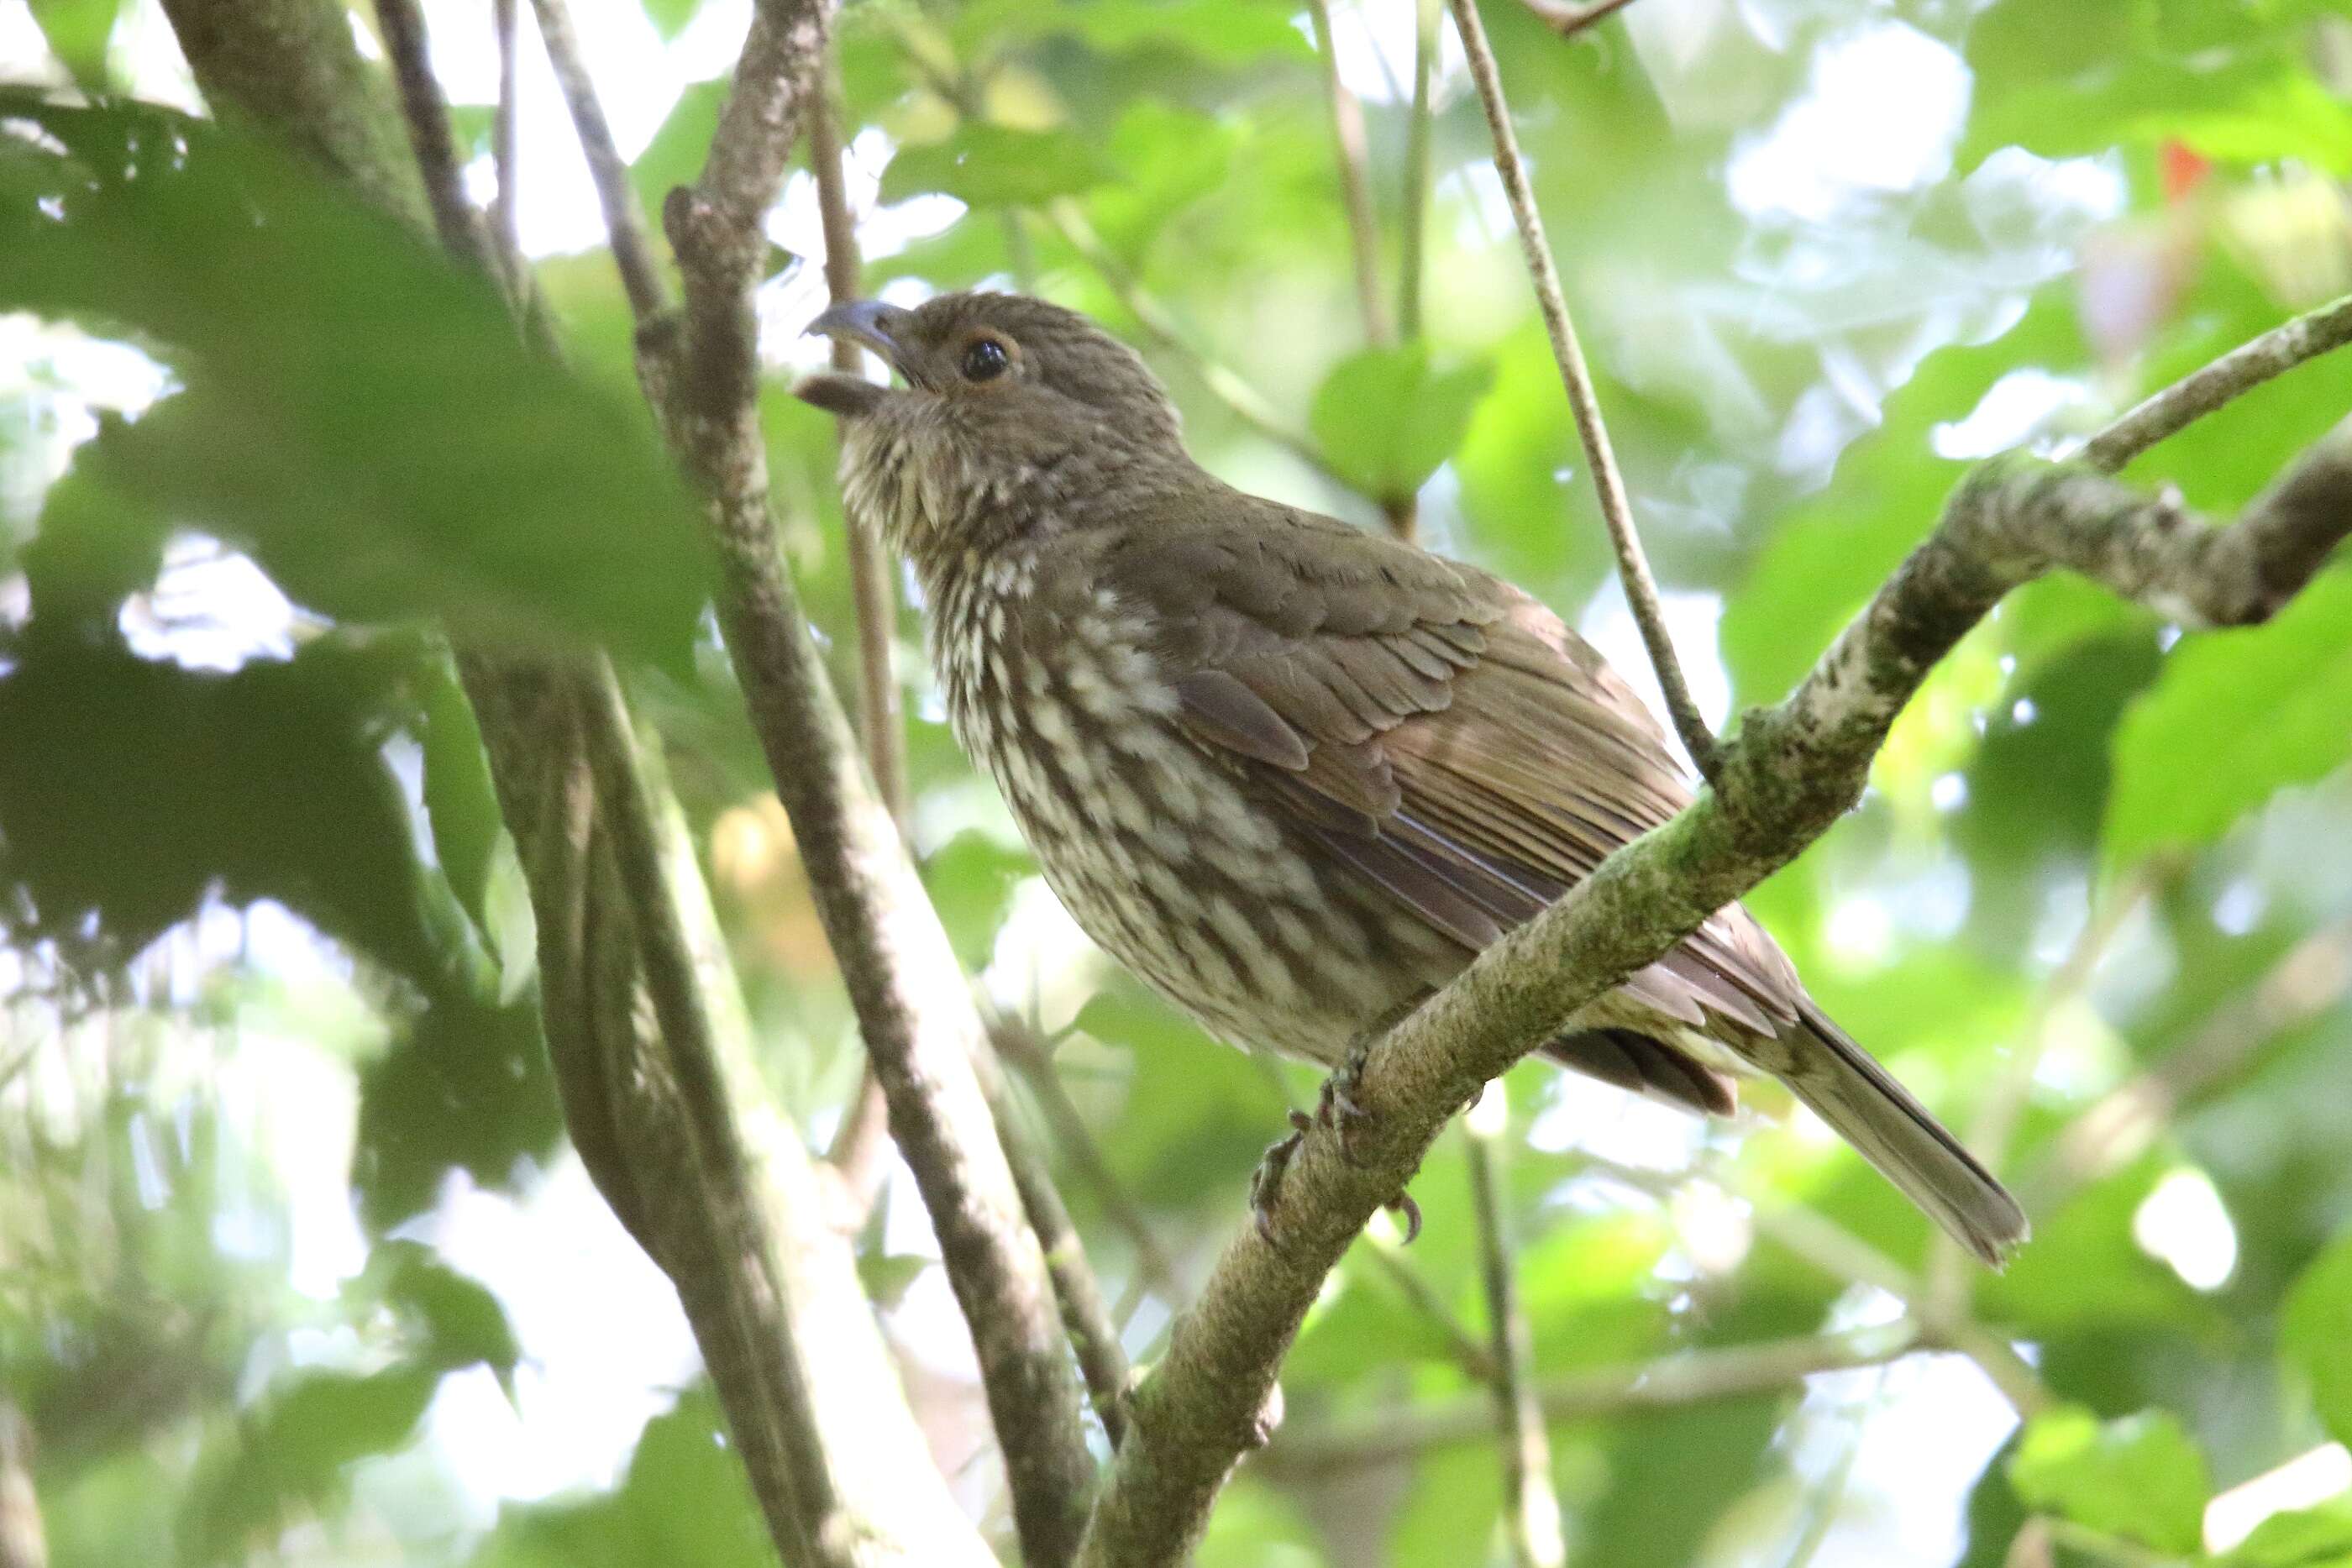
(1864, 1105)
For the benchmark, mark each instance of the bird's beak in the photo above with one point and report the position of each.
(868, 321)
(877, 325)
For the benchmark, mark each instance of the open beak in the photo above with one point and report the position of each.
(868, 321)
(880, 327)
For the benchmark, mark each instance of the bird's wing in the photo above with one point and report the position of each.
(1442, 734)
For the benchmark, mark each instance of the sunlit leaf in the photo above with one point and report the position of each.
(78, 32)
(2314, 1330)
(2140, 1479)
(985, 165)
(2234, 718)
(1387, 417)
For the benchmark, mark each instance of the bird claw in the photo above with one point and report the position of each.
(1265, 1182)
(1338, 1108)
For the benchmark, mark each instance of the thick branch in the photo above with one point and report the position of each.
(504, 231)
(1790, 772)
(1608, 484)
(721, 1193)
(922, 1030)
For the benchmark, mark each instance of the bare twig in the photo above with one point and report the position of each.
(1608, 484)
(2232, 375)
(1790, 773)
(922, 1030)
(624, 223)
(1102, 1359)
(1415, 240)
(1020, 1048)
(1477, 1360)
(1226, 385)
(1355, 188)
(426, 113)
(859, 1152)
(2004, 1104)
(2315, 976)
(1690, 1377)
(1532, 1521)
(1569, 20)
(504, 231)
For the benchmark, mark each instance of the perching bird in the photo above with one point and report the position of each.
(1293, 774)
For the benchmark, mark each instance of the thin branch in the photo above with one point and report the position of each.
(1355, 189)
(1790, 773)
(1226, 385)
(1477, 1360)
(860, 1152)
(426, 113)
(1415, 240)
(1086, 1317)
(624, 222)
(2232, 375)
(1020, 1048)
(1608, 484)
(2003, 1106)
(1569, 20)
(1690, 1377)
(2315, 976)
(505, 227)
(922, 1030)
(1532, 1517)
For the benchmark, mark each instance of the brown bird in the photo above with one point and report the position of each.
(1293, 774)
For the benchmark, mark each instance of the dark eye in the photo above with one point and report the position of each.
(984, 360)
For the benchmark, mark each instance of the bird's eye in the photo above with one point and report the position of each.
(984, 360)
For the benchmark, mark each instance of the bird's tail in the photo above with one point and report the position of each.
(1866, 1107)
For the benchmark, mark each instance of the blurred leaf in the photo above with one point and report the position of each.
(971, 879)
(2315, 1331)
(669, 17)
(985, 165)
(684, 1500)
(2140, 1477)
(367, 421)
(459, 797)
(466, 1085)
(2234, 718)
(1387, 417)
(77, 32)
(2317, 1537)
(1215, 31)
(463, 1322)
(294, 1453)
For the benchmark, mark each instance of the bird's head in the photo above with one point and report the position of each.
(1007, 400)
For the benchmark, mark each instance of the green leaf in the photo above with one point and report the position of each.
(460, 800)
(1386, 418)
(997, 166)
(463, 1322)
(78, 32)
(1216, 32)
(971, 879)
(2317, 1537)
(2316, 1329)
(360, 413)
(674, 157)
(669, 17)
(2140, 1477)
(295, 1452)
(2234, 718)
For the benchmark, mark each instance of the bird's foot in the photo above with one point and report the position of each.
(1265, 1183)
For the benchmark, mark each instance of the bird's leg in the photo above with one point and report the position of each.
(1337, 1109)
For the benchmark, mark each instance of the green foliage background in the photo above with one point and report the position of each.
(1794, 373)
